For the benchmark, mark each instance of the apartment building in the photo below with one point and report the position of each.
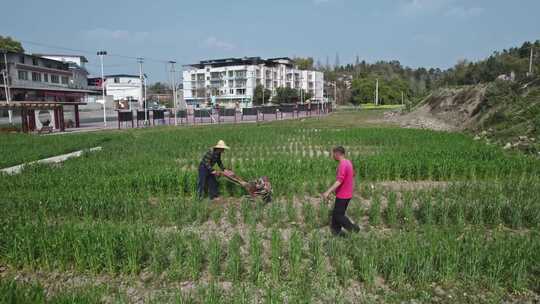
(231, 80)
(34, 78)
(77, 65)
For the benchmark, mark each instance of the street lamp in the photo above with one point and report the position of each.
(101, 54)
(5, 74)
(173, 84)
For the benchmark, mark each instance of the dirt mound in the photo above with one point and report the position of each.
(447, 109)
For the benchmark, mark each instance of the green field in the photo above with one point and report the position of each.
(444, 218)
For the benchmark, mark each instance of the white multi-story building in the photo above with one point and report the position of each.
(231, 80)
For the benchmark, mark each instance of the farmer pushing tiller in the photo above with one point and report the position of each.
(208, 182)
(260, 187)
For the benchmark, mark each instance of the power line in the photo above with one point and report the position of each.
(90, 52)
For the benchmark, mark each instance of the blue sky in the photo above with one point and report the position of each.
(430, 33)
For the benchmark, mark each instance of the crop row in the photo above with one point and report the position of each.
(18, 292)
(418, 256)
(511, 203)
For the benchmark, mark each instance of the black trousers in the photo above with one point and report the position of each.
(339, 219)
(207, 183)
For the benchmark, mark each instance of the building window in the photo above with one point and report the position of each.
(193, 77)
(116, 80)
(36, 76)
(241, 92)
(46, 77)
(241, 74)
(231, 83)
(23, 75)
(55, 79)
(231, 73)
(231, 91)
(35, 61)
(241, 83)
(21, 59)
(64, 80)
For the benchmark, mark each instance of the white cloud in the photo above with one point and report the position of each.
(414, 7)
(110, 34)
(215, 43)
(464, 12)
(449, 8)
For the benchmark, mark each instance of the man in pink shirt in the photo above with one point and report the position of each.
(344, 188)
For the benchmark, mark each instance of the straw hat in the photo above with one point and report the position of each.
(221, 145)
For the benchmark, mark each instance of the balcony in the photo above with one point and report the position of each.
(215, 85)
(197, 84)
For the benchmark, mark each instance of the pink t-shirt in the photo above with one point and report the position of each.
(345, 174)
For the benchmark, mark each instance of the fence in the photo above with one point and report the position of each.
(206, 116)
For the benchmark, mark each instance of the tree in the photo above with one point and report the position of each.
(285, 95)
(304, 95)
(336, 63)
(304, 63)
(327, 66)
(363, 89)
(159, 88)
(258, 97)
(318, 65)
(9, 44)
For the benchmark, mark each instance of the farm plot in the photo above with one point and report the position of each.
(123, 225)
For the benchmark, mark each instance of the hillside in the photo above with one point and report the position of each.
(502, 112)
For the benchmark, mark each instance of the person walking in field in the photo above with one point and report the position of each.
(207, 175)
(343, 188)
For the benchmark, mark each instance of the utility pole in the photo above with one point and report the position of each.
(142, 101)
(101, 54)
(335, 92)
(401, 97)
(173, 85)
(145, 90)
(531, 61)
(5, 73)
(377, 93)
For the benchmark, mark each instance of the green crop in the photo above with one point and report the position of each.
(442, 209)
